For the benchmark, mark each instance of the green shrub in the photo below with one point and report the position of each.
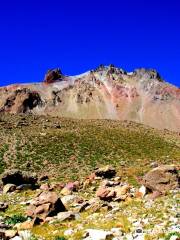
(17, 218)
(60, 238)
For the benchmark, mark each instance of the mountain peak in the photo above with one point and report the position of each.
(107, 92)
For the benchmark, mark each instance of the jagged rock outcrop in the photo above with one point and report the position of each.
(104, 93)
(21, 101)
(53, 76)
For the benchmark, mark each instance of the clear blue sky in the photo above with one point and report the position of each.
(78, 35)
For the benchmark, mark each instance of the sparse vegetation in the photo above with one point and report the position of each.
(34, 143)
(60, 238)
(14, 219)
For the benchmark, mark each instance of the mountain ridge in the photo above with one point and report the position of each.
(107, 92)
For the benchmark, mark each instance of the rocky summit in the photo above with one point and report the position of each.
(109, 92)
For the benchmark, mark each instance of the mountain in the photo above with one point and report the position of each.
(107, 92)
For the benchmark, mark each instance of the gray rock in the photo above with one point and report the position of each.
(9, 188)
(3, 206)
(63, 216)
(69, 199)
(93, 234)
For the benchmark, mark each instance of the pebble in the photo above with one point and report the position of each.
(69, 232)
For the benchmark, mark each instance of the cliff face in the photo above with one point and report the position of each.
(105, 93)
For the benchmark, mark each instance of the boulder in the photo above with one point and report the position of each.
(46, 204)
(162, 179)
(18, 177)
(106, 172)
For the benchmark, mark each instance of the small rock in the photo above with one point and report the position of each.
(62, 216)
(10, 233)
(43, 178)
(9, 188)
(68, 232)
(82, 207)
(105, 194)
(16, 238)
(141, 192)
(154, 195)
(24, 187)
(25, 225)
(139, 230)
(154, 164)
(57, 186)
(69, 199)
(93, 234)
(116, 232)
(106, 172)
(65, 191)
(69, 188)
(45, 187)
(3, 206)
(121, 191)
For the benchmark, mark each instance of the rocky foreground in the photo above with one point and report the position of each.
(99, 207)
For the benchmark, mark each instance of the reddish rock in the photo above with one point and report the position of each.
(154, 195)
(45, 187)
(70, 187)
(47, 204)
(105, 194)
(162, 179)
(53, 75)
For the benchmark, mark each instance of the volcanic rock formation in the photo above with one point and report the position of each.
(104, 93)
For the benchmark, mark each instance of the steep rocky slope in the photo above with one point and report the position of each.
(105, 93)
